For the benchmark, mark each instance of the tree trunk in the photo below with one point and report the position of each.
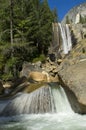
(11, 22)
(11, 35)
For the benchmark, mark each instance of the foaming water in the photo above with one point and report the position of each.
(60, 121)
(61, 101)
(60, 116)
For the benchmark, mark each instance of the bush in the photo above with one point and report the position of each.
(8, 76)
(41, 58)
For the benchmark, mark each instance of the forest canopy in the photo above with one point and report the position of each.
(25, 33)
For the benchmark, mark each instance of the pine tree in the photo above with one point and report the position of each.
(30, 24)
(67, 20)
(55, 15)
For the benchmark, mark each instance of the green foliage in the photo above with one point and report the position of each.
(41, 58)
(32, 21)
(67, 20)
(11, 62)
(32, 33)
(7, 76)
(55, 15)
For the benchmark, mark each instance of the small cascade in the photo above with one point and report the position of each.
(44, 100)
(66, 38)
(38, 101)
(61, 101)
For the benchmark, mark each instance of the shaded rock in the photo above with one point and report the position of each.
(28, 67)
(10, 92)
(1, 88)
(52, 57)
(13, 87)
(20, 88)
(18, 81)
(74, 77)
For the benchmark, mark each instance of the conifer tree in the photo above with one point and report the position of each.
(30, 24)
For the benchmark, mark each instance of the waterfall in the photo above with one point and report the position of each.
(47, 108)
(43, 100)
(66, 38)
(61, 101)
(38, 101)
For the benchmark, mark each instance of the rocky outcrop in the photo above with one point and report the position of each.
(40, 72)
(72, 73)
(74, 77)
(78, 32)
(72, 14)
(28, 67)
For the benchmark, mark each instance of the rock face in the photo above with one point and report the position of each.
(74, 77)
(72, 73)
(74, 12)
(78, 32)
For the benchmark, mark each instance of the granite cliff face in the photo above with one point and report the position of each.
(74, 13)
(72, 73)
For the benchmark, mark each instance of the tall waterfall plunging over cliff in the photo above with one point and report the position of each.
(69, 42)
(66, 38)
(44, 100)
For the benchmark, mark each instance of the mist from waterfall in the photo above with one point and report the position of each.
(66, 38)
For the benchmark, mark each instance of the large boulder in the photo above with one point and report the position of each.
(38, 76)
(73, 77)
(42, 77)
(27, 67)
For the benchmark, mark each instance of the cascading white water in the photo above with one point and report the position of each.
(44, 100)
(61, 101)
(38, 101)
(63, 119)
(66, 38)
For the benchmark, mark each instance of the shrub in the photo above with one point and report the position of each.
(41, 58)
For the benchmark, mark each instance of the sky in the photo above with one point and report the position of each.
(63, 6)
